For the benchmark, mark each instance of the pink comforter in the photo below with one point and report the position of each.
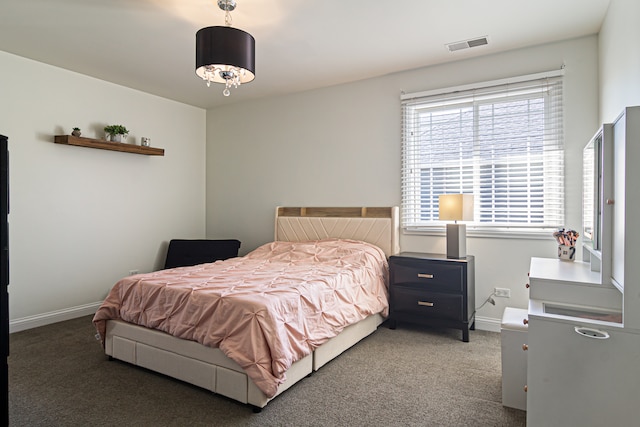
(264, 310)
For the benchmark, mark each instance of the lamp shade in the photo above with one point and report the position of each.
(224, 47)
(455, 207)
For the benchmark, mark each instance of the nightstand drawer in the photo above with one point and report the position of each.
(432, 276)
(411, 301)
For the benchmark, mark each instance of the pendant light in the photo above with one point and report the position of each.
(225, 54)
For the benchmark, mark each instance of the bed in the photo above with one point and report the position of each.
(133, 332)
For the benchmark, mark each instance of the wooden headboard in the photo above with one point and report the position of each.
(375, 225)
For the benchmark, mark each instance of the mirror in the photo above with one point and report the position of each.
(592, 191)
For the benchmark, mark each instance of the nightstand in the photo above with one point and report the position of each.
(431, 289)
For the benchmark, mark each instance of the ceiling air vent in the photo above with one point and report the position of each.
(466, 44)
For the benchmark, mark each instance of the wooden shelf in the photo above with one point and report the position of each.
(107, 145)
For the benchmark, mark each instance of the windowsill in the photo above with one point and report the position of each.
(494, 233)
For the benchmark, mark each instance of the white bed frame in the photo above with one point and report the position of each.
(208, 367)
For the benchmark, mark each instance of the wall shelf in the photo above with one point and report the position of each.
(79, 141)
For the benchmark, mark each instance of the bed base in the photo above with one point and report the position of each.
(208, 367)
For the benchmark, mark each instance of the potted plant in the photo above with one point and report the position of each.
(116, 132)
(76, 132)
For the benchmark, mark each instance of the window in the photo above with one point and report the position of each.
(500, 141)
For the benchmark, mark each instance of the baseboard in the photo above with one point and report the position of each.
(29, 322)
(488, 324)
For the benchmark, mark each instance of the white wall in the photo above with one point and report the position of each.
(340, 146)
(82, 218)
(619, 59)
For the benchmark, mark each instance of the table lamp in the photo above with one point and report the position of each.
(456, 207)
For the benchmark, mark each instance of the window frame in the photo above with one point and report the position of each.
(476, 228)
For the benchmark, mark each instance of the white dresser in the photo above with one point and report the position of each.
(583, 366)
(583, 357)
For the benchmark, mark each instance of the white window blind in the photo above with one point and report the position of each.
(503, 143)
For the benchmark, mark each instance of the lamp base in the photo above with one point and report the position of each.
(456, 241)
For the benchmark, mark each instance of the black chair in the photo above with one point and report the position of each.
(183, 253)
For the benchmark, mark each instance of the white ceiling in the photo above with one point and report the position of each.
(149, 45)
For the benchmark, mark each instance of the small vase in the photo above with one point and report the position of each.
(76, 133)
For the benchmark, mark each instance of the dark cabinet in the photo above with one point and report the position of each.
(432, 289)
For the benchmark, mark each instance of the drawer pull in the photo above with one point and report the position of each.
(425, 276)
(425, 303)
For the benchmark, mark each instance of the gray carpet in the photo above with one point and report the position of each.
(58, 376)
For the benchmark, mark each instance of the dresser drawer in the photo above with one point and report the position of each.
(433, 276)
(411, 301)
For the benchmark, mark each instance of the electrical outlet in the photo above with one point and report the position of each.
(132, 272)
(502, 292)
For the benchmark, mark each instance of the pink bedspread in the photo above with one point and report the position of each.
(264, 310)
